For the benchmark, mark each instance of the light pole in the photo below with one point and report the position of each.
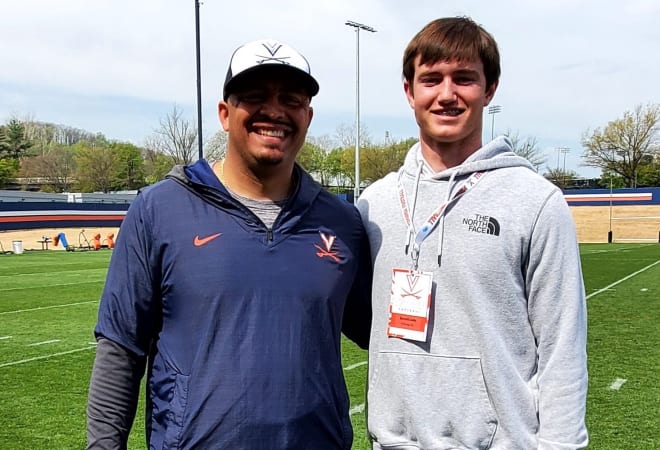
(563, 150)
(492, 110)
(358, 27)
(199, 84)
(609, 233)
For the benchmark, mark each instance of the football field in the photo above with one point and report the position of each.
(49, 300)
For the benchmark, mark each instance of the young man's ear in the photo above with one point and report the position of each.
(223, 114)
(408, 89)
(490, 92)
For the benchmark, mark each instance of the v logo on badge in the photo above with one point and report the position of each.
(412, 282)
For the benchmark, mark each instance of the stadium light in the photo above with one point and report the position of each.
(492, 110)
(357, 27)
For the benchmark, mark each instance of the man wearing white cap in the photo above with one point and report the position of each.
(231, 284)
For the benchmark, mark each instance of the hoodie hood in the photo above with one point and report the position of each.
(200, 180)
(494, 155)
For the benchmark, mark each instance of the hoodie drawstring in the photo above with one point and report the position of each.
(441, 225)
(436, 219)
(410, 231)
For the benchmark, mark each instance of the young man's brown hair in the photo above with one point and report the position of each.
(453, 39)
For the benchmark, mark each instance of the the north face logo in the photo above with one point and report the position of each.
(482, 224)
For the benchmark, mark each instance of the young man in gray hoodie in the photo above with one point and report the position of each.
(479, 315)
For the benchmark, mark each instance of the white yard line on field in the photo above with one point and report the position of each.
(616, 385)
(2, 338)
(356, 409)
(51, 285)
(37, 358)
(47, 307)
(52, 341)
(609, 250)
(593, 294)
(355, 366)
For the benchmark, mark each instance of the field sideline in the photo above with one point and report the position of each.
(48, 304)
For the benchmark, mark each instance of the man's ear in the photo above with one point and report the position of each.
(223, 114)
(408, 89)
(490, 92)
(311, 114)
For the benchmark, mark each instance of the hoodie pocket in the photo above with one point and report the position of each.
(169, 393)
(430, 401)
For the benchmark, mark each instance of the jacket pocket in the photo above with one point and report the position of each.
(169, 394)
(430, 401)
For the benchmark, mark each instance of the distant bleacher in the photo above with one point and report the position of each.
(11, 196)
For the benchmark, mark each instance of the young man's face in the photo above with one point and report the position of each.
(448, 98)
(267, 120)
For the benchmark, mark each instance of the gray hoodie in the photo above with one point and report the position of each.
(504, 363)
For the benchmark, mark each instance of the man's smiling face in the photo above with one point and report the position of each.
(448, 98)
(267, 117)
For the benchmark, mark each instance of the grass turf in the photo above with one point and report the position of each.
(49, 300)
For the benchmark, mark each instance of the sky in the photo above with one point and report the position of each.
(119, 66)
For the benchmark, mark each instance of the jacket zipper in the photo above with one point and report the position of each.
(269, 235)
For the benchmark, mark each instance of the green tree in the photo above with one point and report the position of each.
(376, 161)
(128, 171)
(338, 173)
(314, 160)
(4, 141)
(625, 145)
(13, 142)
(95, 166)
(649, 173)
(8, 170)
(156, 165)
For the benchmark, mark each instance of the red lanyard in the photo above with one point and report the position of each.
(435, 216)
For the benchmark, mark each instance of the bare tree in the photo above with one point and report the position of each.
(345, 136)
(325, 141)
(625, 144)
(560, 177)
(216, 147)
(175, 137)
(526, 147)
(57, 167)
(44, 135)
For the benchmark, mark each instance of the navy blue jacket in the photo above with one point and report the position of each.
(241, 325)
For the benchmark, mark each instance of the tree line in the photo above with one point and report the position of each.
(61, 158)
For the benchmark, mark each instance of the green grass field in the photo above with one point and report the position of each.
(48, 304)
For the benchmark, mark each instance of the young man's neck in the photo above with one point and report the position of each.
(445, 155)
(276, 184)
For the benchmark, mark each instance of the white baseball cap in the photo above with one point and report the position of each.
(268, 53)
